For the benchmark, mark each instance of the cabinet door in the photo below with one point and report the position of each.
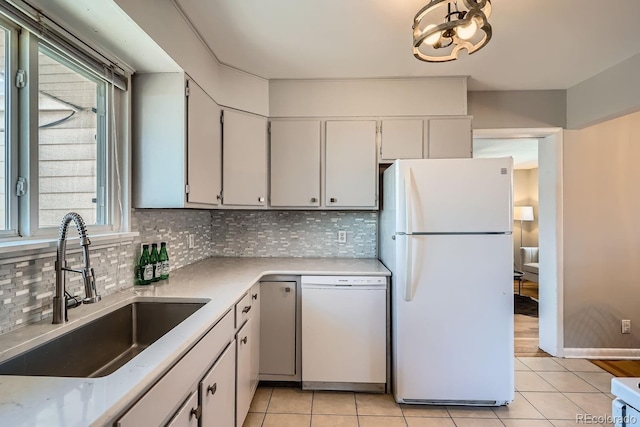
(243, 372)
(203, 147)
(254, 336)
(218, 391)
(278, 328)
(449, 138)
(244, 161)
(188, 414)
(351, 167)
(295, 163)
(401, 139)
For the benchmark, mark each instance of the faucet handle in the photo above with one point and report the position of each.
(90, 291)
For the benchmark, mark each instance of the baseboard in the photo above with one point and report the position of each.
(602, 353)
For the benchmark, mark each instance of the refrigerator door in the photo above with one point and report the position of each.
(454, 196)
(453, 338)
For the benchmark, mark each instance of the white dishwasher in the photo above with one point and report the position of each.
(344, 333)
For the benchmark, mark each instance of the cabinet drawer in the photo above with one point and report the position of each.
(161, 400)
(243, 310)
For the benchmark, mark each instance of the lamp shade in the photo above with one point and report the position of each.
(523, 213)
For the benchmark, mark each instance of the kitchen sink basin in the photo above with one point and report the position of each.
(102, 346)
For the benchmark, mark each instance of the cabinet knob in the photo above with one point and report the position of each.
(196, 412)
(287, 289)
(244, 340)
(314, 200)
(261, 199)
(333, 200)
(246, 309)
(218, 197)
(212, 388)
(254, 296)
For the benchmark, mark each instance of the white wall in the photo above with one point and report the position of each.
(518, 109)
(602, 235)
(612, 93)
(368, 97)
(170, 30)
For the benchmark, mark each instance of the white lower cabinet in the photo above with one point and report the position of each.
(243, 373)
(217, 391)
(213, 384)
(254, 334)
(188, 413)
(162, 403)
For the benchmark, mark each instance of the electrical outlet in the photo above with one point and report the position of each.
(626, 326)
(192, 241)
(342, 236)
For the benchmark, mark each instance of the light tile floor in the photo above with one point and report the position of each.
(550, 392)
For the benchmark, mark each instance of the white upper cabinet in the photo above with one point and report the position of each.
(244, 174)
(176, 143)
(351, 165)
(295, 163)
(204, 147)
(401, 139)
(448, 138)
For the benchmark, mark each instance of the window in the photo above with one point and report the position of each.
(56, 152)
(71, 142)
(3, 122)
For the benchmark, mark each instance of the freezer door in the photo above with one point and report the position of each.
(453, 338)
(454, 195)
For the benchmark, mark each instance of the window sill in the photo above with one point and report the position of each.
(18, 247)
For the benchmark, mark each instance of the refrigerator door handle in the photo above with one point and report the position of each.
(408, 195)
(408, 286)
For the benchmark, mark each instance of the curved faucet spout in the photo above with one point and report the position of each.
(88, 277)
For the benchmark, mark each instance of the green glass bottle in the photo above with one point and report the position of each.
(164, 261)
(146, 268)
(153, 259)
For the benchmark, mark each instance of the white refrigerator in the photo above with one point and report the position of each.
(445, 234)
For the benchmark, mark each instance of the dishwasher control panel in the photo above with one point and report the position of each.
(344, 280)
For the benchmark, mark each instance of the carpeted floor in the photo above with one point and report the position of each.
(525, 305)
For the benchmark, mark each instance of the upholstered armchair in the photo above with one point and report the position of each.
(529, 257)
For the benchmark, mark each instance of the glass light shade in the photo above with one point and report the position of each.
(465, 32)
(523, 213)
(433, 38)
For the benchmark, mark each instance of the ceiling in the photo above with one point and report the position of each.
(523, 150)
(536, 44)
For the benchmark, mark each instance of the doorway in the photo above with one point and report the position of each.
(549, 141)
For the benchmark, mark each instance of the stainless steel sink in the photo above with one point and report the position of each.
(102, 346)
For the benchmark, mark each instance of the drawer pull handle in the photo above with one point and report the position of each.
(196, 412)
(244, 340)
(212, 388)
(254, 296)
(314, 200)
(333, 200)
(261, 199)
(246, 309)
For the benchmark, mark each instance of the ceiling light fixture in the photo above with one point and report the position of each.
(443, 28)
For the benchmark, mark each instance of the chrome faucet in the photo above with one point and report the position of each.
(91, 295)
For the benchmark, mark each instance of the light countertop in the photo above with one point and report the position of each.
(53, 401)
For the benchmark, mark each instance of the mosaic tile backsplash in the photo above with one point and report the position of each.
(27, 281)
(294, 234)
(174, 227)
